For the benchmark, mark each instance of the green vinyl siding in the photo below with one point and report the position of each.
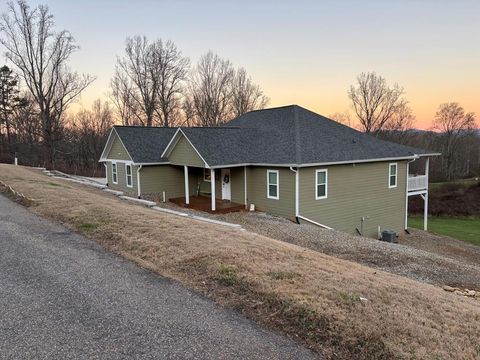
(356, 191)
(237, 180)
(257, 191)
(157, 179)
(117, 150)
(121, 177)
(184, 154)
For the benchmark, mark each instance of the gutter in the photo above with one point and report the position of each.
(297, 202)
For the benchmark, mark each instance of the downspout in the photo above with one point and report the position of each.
(297, 207)
(138, 180)
(106, 173)
(297, 202)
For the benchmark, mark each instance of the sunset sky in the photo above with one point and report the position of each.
(299, 52)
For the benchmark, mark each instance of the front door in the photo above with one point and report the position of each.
(226, 185)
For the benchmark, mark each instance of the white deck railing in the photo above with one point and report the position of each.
(419, 182)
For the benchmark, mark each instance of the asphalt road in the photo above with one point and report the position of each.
(64, 297)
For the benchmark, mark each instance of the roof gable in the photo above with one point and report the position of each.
(144, 145)
(182, 152)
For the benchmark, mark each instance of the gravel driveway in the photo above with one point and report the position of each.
(421, 256)
(63, 296)
(422, 262)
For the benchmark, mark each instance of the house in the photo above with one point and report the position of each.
(286, 161)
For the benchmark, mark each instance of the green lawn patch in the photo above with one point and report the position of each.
(88, 226)
(462, 228)
(54, 184)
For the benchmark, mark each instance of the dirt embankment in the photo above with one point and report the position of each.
(455, 199)
(340, 308)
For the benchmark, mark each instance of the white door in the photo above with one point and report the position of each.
(226, 185)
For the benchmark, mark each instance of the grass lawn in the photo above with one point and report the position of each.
(467, 229)
(466, 182)
(342, 309)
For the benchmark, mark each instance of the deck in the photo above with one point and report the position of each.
(204, 203)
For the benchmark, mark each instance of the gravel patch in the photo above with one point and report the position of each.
(420, 256)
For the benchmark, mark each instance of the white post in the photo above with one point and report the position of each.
(187, 190)
(212, 182)
(245, 183)
(297, 192)
(406, 197)
(425, 210)
(16, 161)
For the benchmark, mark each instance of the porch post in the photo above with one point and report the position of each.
(187, 190)
(425, 210)
(245, 185)
(406, 196)
(212, 183)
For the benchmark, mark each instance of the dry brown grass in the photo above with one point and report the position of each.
(303, 293)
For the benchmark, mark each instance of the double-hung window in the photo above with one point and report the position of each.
(114, 173)
(321, 184)
(392, 175)
(272, 184)
(128, 174)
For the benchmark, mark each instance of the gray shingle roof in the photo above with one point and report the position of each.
(145, 144)
(289, 135)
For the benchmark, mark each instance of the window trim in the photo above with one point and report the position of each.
(205, 172)
(390, 175)
(115, 172)
(325, 183)
(131, 175)
(277, 184)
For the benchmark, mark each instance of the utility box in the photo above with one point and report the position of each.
(389, 236)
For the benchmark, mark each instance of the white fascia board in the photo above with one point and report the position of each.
(107, 145)
(318, 164)
(170, 143)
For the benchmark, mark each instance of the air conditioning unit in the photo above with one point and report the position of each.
(389, 236)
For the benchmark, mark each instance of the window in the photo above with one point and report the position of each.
(272, 184)
(207, 175)
(114, 173)
(392, 175)
(128, 174)
(321, 188)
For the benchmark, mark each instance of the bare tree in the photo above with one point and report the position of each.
(170, 69)
(402, 120)
(123, 98)
(137, 65)
(454, 124)
(42, 56)
(9, 101)
(210, 89)
(397, 127)
(150, 77)
(342, 118)
(89, 130)
(374, 102)
(246, 96)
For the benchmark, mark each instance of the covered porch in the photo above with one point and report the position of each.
(219, 190)
(204, 203)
